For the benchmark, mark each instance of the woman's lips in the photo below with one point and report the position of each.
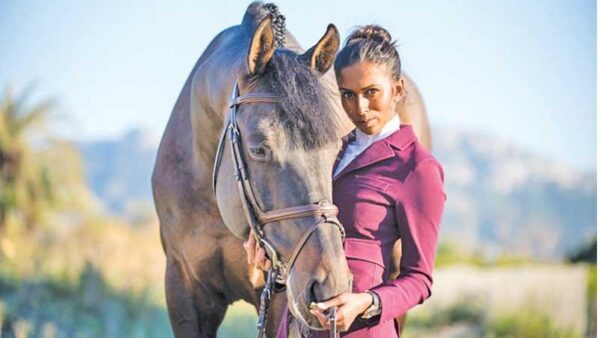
(366, 121)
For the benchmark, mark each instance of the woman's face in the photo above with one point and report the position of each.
(369, 95)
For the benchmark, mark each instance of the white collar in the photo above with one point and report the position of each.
(390, 126)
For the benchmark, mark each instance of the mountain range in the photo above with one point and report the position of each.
(500, 199)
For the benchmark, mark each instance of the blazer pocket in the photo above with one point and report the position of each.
(372, 182)
(365, 261)
(373, 204)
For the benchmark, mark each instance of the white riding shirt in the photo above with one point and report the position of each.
(363, 141)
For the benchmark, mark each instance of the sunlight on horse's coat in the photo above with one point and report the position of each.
(202, 235)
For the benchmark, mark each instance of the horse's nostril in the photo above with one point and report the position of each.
(313, 292)
(317, 291)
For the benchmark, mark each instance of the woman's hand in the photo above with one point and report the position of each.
(255, 254)
(349, 306)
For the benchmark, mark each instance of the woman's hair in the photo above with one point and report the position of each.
(372, 44)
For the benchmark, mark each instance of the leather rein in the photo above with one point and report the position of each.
(256, 217)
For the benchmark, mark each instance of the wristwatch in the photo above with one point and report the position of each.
(374, 309)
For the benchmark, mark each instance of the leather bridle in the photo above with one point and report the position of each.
(255, 216)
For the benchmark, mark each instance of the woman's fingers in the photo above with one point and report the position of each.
(344, 314)
(260, 259)
(335, 301)
(341, 323)
(321, 317)
(255, 255)
(260, 256)
(267, 264)
(249, 252)
(250, 247)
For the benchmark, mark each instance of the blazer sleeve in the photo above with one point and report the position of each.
(419, 206)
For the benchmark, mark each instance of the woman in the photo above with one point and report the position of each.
(387, 186)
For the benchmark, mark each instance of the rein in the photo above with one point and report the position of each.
(256, 217)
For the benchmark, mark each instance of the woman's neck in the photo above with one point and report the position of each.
(388, 128)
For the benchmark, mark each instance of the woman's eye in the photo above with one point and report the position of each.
(347, 95)
(371, 92)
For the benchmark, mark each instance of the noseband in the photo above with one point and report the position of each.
(255, 216)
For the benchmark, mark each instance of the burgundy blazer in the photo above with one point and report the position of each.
(394, 189)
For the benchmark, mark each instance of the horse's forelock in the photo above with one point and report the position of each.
(305, 112)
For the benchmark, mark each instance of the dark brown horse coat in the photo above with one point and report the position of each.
(206, 266)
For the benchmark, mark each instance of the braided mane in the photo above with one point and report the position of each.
(278, 24)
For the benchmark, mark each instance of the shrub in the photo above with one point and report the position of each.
(526, 324)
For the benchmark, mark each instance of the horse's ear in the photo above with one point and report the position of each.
(262, 46)
(320, 57)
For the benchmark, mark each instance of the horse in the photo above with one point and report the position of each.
(288, 144)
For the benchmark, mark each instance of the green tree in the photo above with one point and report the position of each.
(585, 253)
(25, 188)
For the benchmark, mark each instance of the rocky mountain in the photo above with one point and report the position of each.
(501, 200)
(119, 172)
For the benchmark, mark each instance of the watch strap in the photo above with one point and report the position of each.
(376, 301)
(375, 308)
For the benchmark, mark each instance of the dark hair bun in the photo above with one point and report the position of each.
(370, 43)
(370, 32)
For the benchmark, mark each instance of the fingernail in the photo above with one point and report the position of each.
(321, 306)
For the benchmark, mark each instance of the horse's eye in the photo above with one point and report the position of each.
(260, 152)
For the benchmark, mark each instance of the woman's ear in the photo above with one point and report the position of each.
(262, 47)
(320, 57)
(398, 90)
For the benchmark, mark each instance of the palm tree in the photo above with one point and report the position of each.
(25, 190)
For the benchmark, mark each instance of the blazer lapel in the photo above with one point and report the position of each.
(349, 138)
(378, 151)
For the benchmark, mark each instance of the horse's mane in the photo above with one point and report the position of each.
(306, 111)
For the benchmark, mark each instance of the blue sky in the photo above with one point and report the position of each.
(523, 71)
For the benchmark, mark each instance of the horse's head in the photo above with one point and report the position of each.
(289, 147)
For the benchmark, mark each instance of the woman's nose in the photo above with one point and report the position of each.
(362, 105)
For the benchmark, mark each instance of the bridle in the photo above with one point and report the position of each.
(255, 216)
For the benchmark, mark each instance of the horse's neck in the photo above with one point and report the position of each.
(412, 111)
(210, 91)
(194, 123)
